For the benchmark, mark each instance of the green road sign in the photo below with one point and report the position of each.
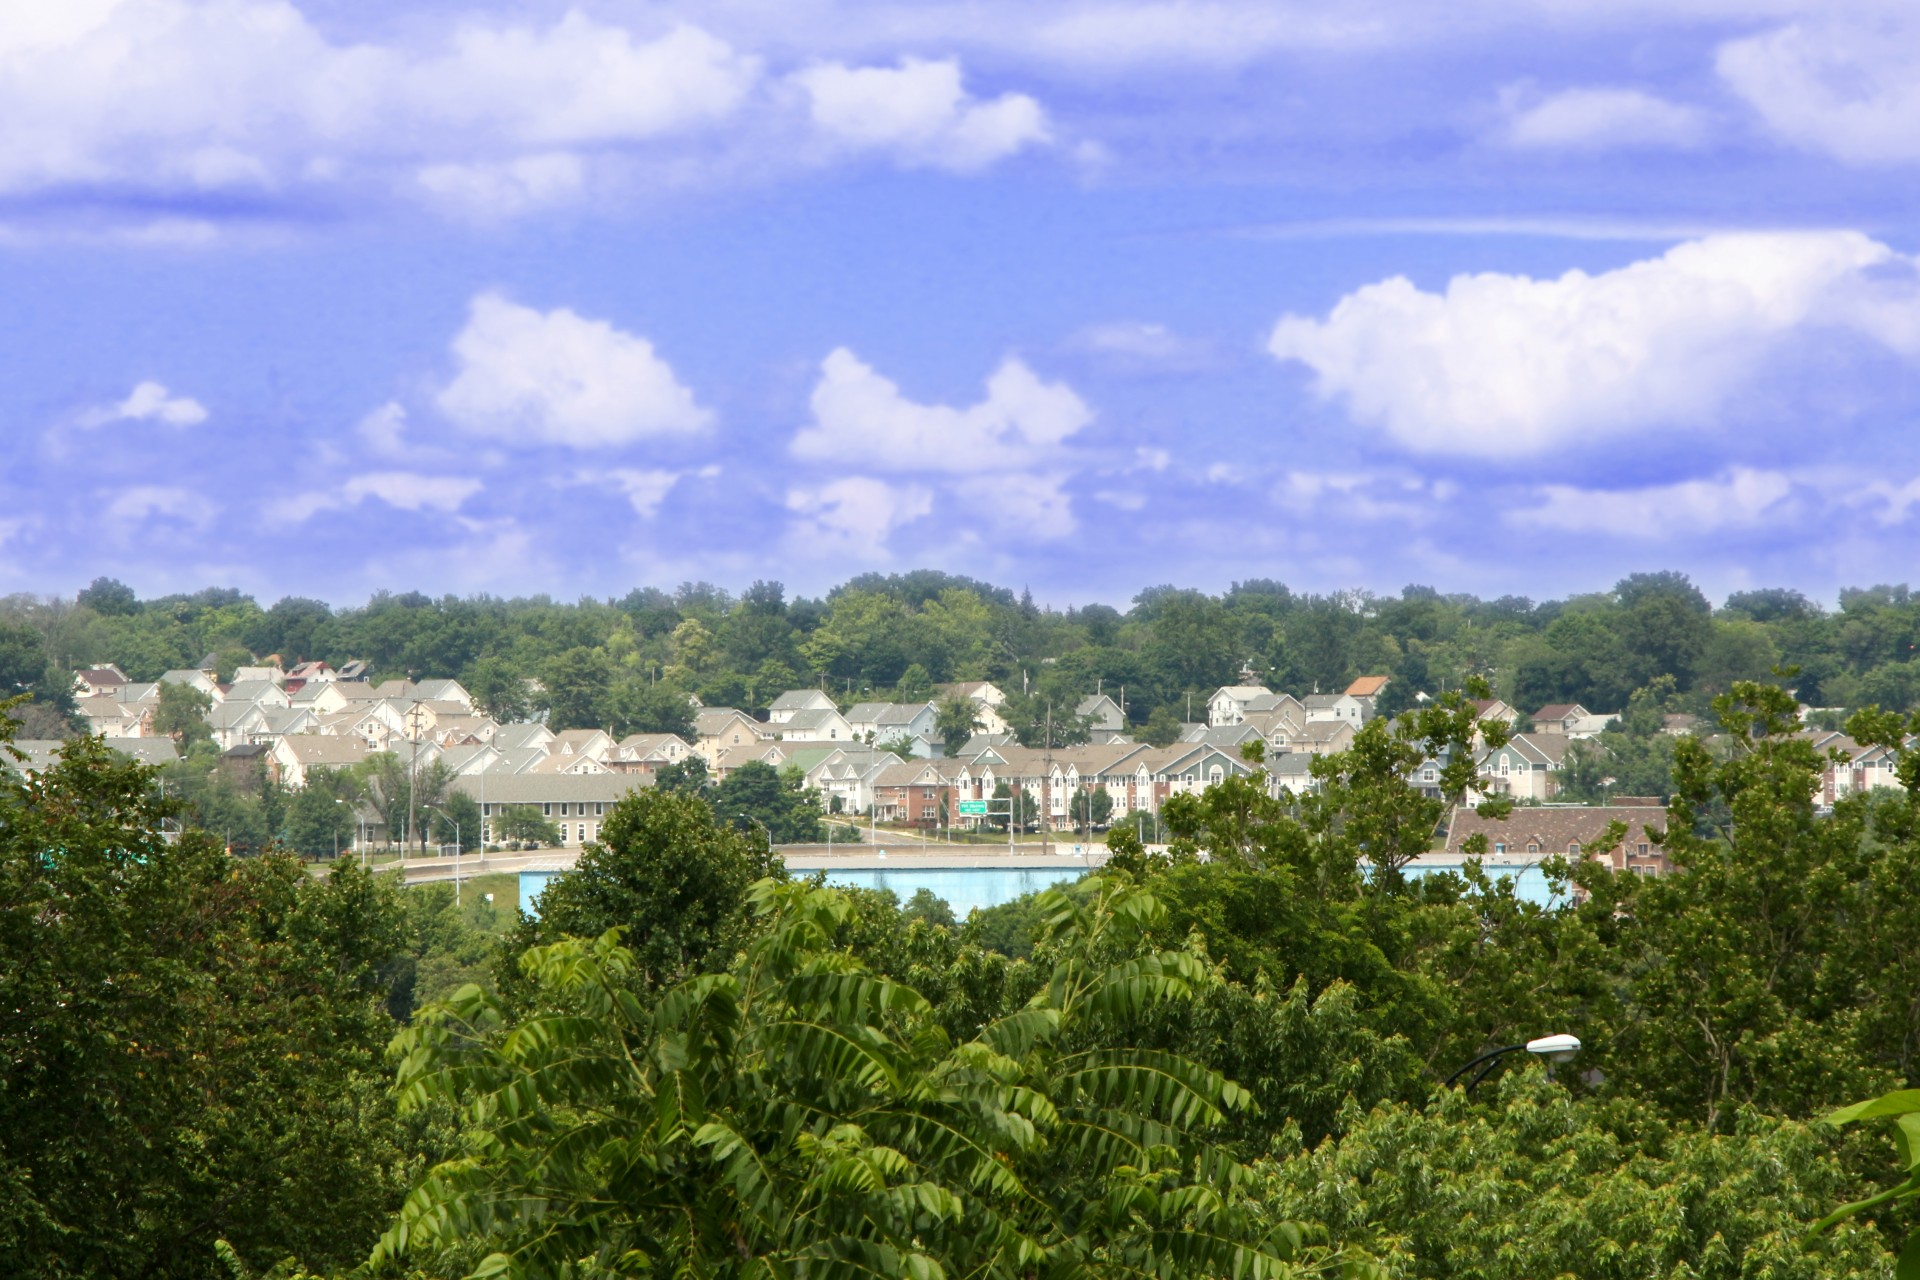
(973, 808)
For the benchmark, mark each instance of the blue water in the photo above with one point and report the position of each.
(1530, 883)
(964, 888)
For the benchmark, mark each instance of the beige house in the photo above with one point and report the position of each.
(289, 758)
(575, 805)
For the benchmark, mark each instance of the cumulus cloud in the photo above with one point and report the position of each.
(1741, 498)
(861, 418)
(1599, 119)
(144, 504)
(1849, 89)
(401, 490)
(149, 402)
(249, 94)
(644, 488)
(505, 190)
(854, 515)
(919, 112)
(1021, 508)
(1501, 365)
(554, 377)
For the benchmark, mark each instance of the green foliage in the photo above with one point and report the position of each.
(457, 819)
(525, 823)
(956, 720)
(1539, 1184)
(1015, 803)
(181, 714)
(1090, 807)
(785, 811)
(801, 1114)
(669, 874)
(192, 1044)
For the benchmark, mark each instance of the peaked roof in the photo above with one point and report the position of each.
(1368, 686)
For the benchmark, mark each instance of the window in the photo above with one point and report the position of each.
(1573, 847)
(1643, 848)
(1500, 846)
(1645, 869)
(599, 807)
(1532, 847)
(1427, 775)
(546, 808)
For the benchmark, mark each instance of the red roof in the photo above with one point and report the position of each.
(1367, 686)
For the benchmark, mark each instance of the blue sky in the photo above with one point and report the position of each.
(326, 297)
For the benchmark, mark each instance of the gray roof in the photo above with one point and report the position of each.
(809, 720)
(797, 699)
(520, 734)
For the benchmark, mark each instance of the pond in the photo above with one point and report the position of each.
(964, 888)
(1530, 882)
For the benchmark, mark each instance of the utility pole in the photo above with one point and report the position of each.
(413, 772)
(1046, 789)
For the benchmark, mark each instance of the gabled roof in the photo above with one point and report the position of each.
(1241, 692)
(1552, 827)
(1368, 686)
(799, 700)
(810, 720)
(1559, 711)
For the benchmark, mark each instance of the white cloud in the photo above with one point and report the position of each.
(554, 377)
(1599, 120)
(1741, 498)
(248, 94)
(643, 488)
(920, 112)
(1502, 365)
(401, 490)
(149, 402)
(142, 504)
(861, 418)
(384, 431)
(854, 515)
(1851, 90)
(406, 491)
(1019, 509)
(507, 190)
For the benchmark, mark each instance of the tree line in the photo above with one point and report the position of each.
(629, 663)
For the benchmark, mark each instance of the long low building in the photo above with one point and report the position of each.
(575, 803)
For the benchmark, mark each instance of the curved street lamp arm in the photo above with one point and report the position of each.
(1489, 1057)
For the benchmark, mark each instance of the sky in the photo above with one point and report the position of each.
(335, 296)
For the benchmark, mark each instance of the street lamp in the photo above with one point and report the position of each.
(1555, 1048)
(456, 850)
(763, 827)
(336, 834)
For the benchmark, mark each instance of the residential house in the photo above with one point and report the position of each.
(94, 681)
(795, 701)
(201, 680)
(1101, 713)
(916, 793)
(259, 693)
(290, 757)
(814, 725)
(1571, 719)
(426, 691)
(1495, 709)
(148, 750)
(1573, 831)
(987, 700)
(648, 753)
(1231, 703)
(592, 743)
(884, 721)
(845, 774)
(337, 696)
(760, 751)
(576, 805)
(1326, 737)
(1292, 772)
(1343, 708)
(1526, 768)
(523, 735)
(718, 729)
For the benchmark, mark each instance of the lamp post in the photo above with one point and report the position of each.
(456, 851)
(1555, 1048)
(764, 829)
(336, 833)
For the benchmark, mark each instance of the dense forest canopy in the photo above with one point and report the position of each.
(879, 634)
